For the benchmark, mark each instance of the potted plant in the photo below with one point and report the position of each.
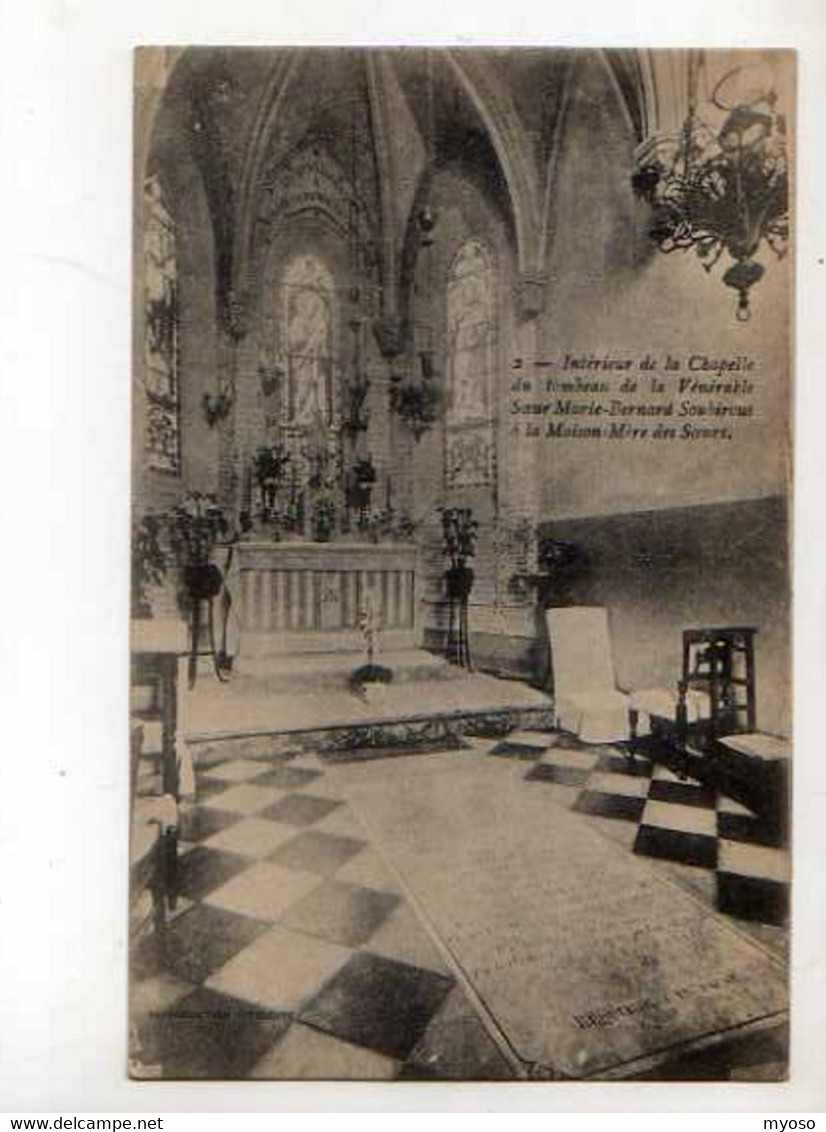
(195, 527)
(324, 517)
(269, 466)
(369, 681)
(416, 401)
(360, 484)
(559, 565)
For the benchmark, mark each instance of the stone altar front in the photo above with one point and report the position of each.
(306, 596)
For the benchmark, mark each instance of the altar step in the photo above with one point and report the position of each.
(330, 716)
(333, 671)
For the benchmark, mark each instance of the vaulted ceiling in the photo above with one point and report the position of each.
(389, 117)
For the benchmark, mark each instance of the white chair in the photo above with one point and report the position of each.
(587, 700)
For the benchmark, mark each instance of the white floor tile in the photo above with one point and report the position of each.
(236, 770)
(244, 799)
(729, 806)
(252, 837)
(281, 970)
(578, 760)
(629, 786)
(686, 819)
(402, 937)
(368, 869)
(264, 891)
(754, 861)
(307, 1054)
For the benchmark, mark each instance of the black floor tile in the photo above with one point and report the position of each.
(560, 775)
(753, 898)
(755, 831)
(209, 1035)
(676, 845)
(208, 787)
(341, 913)
(601, 805)
(567, 742)
(200, 822)
(378, 1003)
(300, 809)
(507, 749)
(317, 852)
(682, 793)
(203, 869)
(202, 939)
(287, 777)
(618, 764)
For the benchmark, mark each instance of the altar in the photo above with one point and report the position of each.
(300, 597)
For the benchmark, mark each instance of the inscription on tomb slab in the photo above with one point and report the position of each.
(585, 958)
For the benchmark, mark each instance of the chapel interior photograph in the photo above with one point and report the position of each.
(460, 708)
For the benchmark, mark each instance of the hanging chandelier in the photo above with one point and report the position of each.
(722, 188)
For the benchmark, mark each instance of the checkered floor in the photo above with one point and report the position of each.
(720, 848)
(292, 953)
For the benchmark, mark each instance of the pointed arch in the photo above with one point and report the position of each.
(511, 144)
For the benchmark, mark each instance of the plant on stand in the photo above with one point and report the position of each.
(195, 528)
(185, 536)
(459, 535)
(559, 565)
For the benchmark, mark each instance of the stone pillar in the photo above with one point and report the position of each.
(519, 487)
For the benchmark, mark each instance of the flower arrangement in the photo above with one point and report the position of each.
(370, 679)
(269, 465)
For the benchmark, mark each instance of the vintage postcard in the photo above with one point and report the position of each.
(461, 707)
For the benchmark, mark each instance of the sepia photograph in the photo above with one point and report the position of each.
(460, 707)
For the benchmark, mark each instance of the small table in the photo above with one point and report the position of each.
(156, 648)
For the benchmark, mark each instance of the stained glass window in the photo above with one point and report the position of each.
(471, 363)
(309, 331)
(162, 437)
